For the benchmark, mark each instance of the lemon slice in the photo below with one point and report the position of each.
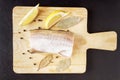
(54, 17)
(29, 17)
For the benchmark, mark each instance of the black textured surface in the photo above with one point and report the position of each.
(103, 15)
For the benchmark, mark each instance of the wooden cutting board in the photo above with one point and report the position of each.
(25, 62)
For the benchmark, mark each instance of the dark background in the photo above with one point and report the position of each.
(103, 15)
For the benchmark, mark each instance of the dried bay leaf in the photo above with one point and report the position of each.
(63, 64)
(45, 61)
(68, 22)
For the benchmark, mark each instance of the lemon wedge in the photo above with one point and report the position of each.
(29, 17)
(54, 17)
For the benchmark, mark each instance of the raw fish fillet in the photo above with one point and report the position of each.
(57, 42)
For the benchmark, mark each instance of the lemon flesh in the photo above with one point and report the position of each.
(30, 16)
(54, 17)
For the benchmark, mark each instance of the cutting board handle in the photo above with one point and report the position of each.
(103, 40)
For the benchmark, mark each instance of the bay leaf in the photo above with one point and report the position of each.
(63, 64)
(45, 61)
(68, 22)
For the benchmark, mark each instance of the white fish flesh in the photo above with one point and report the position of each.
(58, 42)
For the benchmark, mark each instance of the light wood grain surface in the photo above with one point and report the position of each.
(25, 62)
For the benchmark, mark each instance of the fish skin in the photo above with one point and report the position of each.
(50, 41)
